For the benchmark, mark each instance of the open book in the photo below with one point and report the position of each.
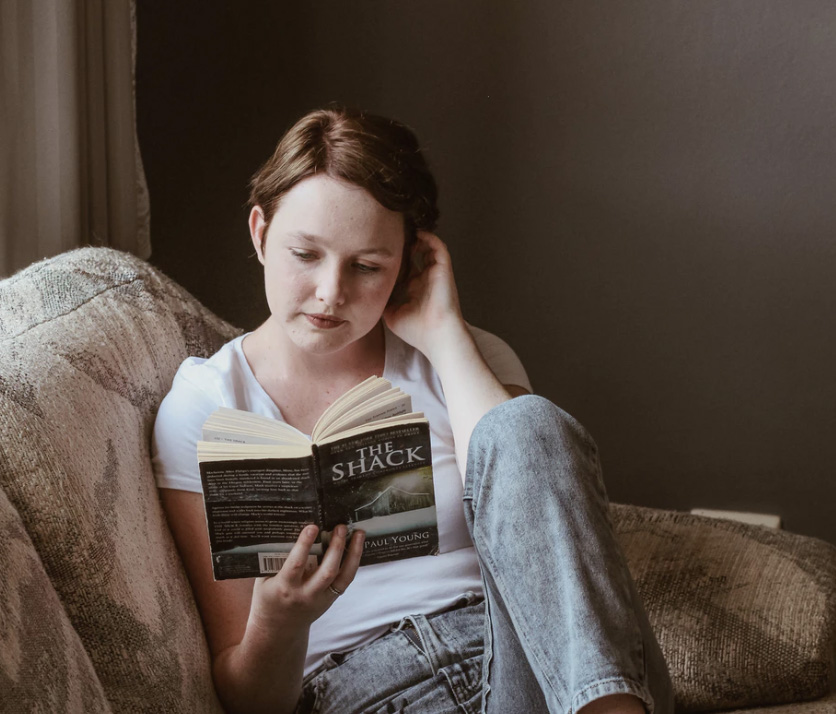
(367, 464)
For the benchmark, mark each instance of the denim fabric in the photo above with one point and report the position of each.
(425, 664)
(561, 624)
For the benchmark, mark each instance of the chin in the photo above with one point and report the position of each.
(323, 344)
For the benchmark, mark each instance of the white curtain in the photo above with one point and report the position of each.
(70, 169)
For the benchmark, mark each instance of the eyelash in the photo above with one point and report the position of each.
(303, 256)
(309, 257)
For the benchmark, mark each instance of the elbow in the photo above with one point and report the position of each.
(239, 694)
(515, 390)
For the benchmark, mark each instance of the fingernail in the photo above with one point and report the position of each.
(340, 531)
(310, 530)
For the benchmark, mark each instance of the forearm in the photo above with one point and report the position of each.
(431, 321)
(263, 673)
(470, 387)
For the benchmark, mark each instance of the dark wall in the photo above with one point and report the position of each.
(639, 197)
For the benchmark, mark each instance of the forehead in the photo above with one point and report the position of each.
(322, 207)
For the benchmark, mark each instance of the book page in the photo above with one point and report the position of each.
(236, 426)
(228, 451)
(401, 419)
(365, 391)
(382, 408)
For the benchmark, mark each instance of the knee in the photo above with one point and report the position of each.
(532, 423)
(528, 450)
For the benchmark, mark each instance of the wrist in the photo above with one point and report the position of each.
(449, 343)
(264, 629)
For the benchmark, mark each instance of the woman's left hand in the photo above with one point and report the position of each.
(431, 308)
(430, 320)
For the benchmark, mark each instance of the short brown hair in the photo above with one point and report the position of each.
(378, 154)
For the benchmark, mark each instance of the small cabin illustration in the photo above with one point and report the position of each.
(393, 500)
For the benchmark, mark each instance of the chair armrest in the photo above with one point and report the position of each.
(745, 615)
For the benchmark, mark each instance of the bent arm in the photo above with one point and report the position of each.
(252, 672)
(431, 321)
(470, 387)
(257, 629)
(263, 672)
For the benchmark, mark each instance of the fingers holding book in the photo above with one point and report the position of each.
(300, 593)
(336, 571)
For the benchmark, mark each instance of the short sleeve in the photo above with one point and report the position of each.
(502, 360)
(177, 430)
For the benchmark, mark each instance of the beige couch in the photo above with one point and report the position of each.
(96, 614)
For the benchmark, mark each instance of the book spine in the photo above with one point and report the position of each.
(318, 482)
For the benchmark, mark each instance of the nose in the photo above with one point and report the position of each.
(330, 286)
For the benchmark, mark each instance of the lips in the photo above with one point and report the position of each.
(324, 322)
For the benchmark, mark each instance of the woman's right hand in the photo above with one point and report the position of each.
(256, 629)
(297, 595)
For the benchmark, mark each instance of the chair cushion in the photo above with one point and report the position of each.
(42, 659)
(827, 705)
(745, 615)
(89, 344)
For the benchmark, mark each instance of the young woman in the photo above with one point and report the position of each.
(529, 606)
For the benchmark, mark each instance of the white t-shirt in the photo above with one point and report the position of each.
(380, 594)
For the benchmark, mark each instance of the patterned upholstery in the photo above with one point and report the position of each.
(42, 659)
(96, 614)
(827, 705)
(745, 615)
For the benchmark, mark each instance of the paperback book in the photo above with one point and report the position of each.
(367, 464)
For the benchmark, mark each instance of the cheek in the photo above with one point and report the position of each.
(286, 286)
(381, 291)
(297, 285)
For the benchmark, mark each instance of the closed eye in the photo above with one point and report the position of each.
(363, 268)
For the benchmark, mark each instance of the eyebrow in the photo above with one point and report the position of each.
(312, 238)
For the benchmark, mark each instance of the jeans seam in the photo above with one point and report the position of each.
(631, 592)
(428, 650)
(414, 644)
(460, 692)
(633, 687)
(487, 650)
(541, 665)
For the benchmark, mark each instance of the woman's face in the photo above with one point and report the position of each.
(331, 257)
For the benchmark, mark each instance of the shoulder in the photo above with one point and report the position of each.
(199, 387)
(502, 360)
(409, 367)
(200, 381)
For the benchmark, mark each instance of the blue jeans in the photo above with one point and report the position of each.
(561, 623)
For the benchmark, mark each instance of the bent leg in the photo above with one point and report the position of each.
(564, 615)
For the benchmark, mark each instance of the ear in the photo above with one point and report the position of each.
(407, 257)
(258, 230)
